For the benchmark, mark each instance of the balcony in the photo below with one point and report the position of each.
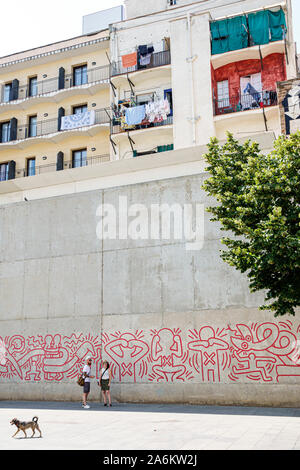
(158, 59)
(245, 102)
(58, 85)
(50, 129)
(52, 167)
(118, 128)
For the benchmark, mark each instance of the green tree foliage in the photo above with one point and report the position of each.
(259, 203)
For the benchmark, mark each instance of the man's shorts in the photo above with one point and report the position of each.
(86, 387)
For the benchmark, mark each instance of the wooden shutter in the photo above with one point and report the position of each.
(60, 161)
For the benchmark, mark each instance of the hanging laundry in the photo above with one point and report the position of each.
(145, 59)
(129, 60)
(143, 50)
(135, 115)
(75, 121)
(253, 92)
(157, 111)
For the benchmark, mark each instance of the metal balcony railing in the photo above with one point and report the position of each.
(51, 126)
(51, 85)
(158, 59)
(51, 167)
(245, 102)
(117, 128)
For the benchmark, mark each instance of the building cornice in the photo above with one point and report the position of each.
(53, 52)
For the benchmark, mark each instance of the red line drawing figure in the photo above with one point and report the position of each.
(166, 349)
(209, 348)
(126, 351)
(62, 364)
(267, 344)
(252, 366)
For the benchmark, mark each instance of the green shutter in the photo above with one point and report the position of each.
(277, 24)
(259, 27)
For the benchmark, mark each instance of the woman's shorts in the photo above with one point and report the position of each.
(104, 385)
(86, 387)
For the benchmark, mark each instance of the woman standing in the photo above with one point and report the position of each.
(105, 380)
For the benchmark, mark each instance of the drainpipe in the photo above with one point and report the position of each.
(190, 60)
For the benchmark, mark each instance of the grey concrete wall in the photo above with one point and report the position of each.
(176, 325)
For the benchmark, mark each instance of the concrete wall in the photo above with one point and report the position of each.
(177, 325)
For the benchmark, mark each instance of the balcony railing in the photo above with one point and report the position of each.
(51, 126)
(51, 85)
(117, 128)
(52, 167)
(158, 59)
(245, 102)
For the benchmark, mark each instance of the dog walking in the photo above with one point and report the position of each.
(86, 373)
(105, 381)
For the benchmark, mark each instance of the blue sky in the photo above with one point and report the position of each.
(36, 23)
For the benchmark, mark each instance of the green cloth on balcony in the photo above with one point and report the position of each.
(229, 35)
(276, 22)
(238, 33)
(219, 36)
(259, 28)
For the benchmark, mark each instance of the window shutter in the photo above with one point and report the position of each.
(13, 129)
(60, 161)
(61, 78)
(61, 113)
(11, 170)
(14, 92)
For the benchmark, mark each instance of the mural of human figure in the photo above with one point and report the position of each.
(208, 347)
(166, 351)
(126, 351)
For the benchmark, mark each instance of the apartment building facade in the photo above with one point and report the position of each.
(199, 69)
(55, 107)
(118, 120)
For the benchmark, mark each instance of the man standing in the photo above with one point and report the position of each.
(87, 383)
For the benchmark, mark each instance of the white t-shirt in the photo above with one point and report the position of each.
(105, 375)
(87, 370)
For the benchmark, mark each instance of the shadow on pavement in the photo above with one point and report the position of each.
(152, 408)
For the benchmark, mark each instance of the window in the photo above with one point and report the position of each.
(80, 75)
(5, 131)
(3, 171)
(30, 166)
(80, 109)
(251, 91)
(79, 158)
(223, 94)
(168, 96)
(33, 90)
(7, 90)
(32, 128)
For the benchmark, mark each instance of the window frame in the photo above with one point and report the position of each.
(2, 164)
(80, 67)
(28, 169)
(81, 157)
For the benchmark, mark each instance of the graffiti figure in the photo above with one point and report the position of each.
(208, 347)
(166, 349)
(267, 344)
(126, 351)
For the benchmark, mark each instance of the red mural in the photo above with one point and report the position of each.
(259, 352)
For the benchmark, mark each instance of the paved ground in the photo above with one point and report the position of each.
(151, 427)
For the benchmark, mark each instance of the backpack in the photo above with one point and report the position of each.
(80, 381)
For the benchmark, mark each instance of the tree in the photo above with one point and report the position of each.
(258, 201)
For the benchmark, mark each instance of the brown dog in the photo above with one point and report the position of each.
(23, 425)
